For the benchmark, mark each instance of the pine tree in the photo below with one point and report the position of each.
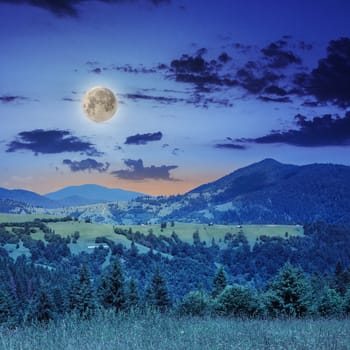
(6, 307)
(58, 300)
(40, 308)
(71, 303)
(157, 294)
(111, 291)
(84, 301)
(43, 311)
(288, 295)
(219, 282)
(341, 279)
(347, 301)
(133, 295)
(102, 292)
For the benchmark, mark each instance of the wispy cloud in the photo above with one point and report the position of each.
(136, 171)
(70, 8)
(142, 139)
(12, 98)
(51, 141)
(232, 146)
(88, 164)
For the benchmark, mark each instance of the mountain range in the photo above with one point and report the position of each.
(69, 196)
(91, 194)
(266, 192)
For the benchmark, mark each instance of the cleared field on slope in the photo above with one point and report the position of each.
(208, 232)
(24, 217)
(89, 231)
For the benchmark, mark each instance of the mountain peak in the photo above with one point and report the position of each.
(268, 161)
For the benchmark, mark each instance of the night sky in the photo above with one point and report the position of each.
(204, 88)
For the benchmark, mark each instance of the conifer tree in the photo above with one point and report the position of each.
(43, 310)
(157, 294)
(219, 282)
(40, 308)
(288, 295)
(6, 307)
(112, 291)
(341, 279)
(133, 295)
(347, 301)
(72, 302)
(83, 301)
(102, 292)
(58, 300)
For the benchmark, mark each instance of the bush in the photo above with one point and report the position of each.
(237, 300)
(196, 303)
(330, 303)
(347, 301)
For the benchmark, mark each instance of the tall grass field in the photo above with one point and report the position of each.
(108, 331)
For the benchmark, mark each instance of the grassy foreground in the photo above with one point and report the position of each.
(113, 332)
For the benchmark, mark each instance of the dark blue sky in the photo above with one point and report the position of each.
(203, 88)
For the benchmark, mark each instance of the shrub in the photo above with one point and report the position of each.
(196, 303)
(237, 300)
(330, 303)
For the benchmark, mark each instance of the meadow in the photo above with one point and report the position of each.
(89, 231)
(110, 331)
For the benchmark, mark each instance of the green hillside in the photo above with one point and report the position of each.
(88, 232)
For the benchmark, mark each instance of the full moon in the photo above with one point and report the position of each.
(99, 104)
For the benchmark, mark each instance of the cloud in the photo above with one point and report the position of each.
(69, 99)
(161, 99)
(98, 68)
(261, 75)
(12, 98)
(137, 171)
(88, 164)
(200, 72)
(320, 131)
(58, 7)
(50, 142)
(330, 81)
(230, 146)
(254, 78)
(176, 151)
(142, 139)
(70, 7)
(275, 90)
(285, 99)
(279, 57)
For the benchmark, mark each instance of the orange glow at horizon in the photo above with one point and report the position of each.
(152, 187)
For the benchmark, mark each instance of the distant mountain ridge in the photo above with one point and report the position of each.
(66, 197)
(91, 194)
(27, 197)
(269, 191)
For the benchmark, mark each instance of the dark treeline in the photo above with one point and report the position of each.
(32, 293)
(220, 278)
